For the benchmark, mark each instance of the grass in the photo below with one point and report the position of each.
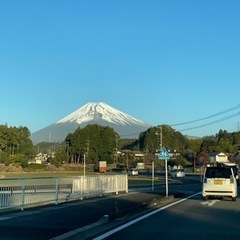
(141, 180)
(132, 180)
(43, 174)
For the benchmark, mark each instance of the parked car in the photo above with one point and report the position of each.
(177, 173)
(219, 182)
(133, 172)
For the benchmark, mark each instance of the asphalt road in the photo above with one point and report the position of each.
(54, 221)
(193, 219)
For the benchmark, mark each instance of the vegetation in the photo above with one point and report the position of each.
(15, 145)
(101, 143)
(149, 141)
(95, 143)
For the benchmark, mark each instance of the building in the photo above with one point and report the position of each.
(216, 157)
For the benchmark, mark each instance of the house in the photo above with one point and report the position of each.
(202, 159)
(41, 158)
(218, 157)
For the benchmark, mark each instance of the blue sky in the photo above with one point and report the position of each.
(163, 62)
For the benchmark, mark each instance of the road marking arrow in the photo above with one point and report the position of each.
(209, 203)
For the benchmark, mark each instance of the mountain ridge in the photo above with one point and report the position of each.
(91, 113)
(100, 110)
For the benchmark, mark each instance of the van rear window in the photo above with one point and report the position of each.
(218, 173)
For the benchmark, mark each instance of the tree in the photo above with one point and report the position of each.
(96, 142)
(16, 144)
(60, 156)
(209, 144)
(179, 161)
(171, 139)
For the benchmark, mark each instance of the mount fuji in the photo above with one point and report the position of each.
(92, 113)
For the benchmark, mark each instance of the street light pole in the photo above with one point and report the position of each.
(84, 165)
(159, 134)
(160, 137)
(163, 155)
(153, 176)
(86, 150)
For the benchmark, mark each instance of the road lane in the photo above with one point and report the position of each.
(48, 222)
(187, 220)
(52, 221)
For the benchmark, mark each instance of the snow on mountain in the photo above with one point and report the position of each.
(91, 113)
(100, 110)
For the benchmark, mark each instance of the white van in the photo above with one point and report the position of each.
(219, 182)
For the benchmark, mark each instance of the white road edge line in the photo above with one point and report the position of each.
(107, 234)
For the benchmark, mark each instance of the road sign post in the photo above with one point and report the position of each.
(163, 155)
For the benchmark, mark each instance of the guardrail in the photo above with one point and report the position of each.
(19, 193)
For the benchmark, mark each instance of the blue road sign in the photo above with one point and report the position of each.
(163, 154)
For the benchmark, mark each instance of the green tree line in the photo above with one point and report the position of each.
(97, 143)
(100, 143)
(15, 145)
(174, 140)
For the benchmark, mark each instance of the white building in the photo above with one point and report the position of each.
(216, 157)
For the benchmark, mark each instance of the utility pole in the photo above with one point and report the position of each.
(84, 157)
(116, 149)
(160, 136)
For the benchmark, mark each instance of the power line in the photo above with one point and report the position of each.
(201, 119)
(210, 123)
(208, 117)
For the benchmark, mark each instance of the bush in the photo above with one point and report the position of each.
(19, 159)
(35, 167)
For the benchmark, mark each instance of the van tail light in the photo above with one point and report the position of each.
(231, 180)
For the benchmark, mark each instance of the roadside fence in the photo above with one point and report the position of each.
(19, 193)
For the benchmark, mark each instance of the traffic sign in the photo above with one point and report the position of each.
(163, 154)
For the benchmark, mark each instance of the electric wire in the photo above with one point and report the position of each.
(208, 117)
(201, 119)
(210, 123)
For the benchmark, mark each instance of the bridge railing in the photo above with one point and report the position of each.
(19, 193)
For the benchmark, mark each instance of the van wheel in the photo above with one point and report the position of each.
(233, 198)
(204, 198)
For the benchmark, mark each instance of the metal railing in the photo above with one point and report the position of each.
(19, 193)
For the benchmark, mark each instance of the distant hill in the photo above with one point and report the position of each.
(92, 113)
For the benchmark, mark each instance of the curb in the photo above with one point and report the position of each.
(114, 219)
(140, 207)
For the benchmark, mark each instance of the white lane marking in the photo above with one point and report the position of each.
(107, 234)
(209, 203)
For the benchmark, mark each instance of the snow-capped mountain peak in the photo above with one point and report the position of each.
(92, 113)
(100, 111)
